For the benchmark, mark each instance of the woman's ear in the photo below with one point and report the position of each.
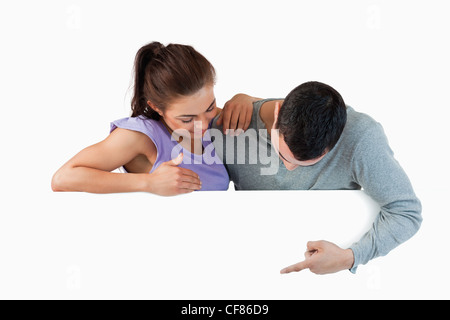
(155, 108)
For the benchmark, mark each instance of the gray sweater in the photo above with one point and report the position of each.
(362, 158)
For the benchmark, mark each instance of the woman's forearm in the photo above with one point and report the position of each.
(82, 179)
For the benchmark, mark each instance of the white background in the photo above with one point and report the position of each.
(65, 73)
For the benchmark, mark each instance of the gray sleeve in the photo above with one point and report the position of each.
(380, 175)
(258, 104)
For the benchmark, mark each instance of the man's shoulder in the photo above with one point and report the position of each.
(255, 116)
(362, 136)
(359, 125)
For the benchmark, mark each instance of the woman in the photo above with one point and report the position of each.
(166, 136)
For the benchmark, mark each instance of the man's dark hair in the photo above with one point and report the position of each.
(311, 120)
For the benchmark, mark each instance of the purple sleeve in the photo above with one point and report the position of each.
(145, 126)
(150, 128)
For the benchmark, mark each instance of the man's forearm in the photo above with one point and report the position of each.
(383, 179)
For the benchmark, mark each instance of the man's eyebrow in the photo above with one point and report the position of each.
(194, 115)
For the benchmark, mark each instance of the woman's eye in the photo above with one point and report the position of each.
(211, 109)
(186, 121)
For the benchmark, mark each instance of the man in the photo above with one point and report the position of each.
(313, 141)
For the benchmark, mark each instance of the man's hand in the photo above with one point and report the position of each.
(237, 114)
(323, 257)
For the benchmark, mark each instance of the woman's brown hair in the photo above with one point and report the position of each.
(164, 73)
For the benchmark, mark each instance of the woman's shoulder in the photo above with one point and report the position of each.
(141, 124)
(151, 128)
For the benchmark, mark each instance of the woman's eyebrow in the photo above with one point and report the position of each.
(194, 115)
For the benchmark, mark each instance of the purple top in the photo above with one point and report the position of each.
(208, 165)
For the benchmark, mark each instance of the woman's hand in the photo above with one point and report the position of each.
(237, 114)
(170, 180)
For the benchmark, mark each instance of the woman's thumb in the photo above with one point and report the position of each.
(178, 160)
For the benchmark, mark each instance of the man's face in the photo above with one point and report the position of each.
(285, 154)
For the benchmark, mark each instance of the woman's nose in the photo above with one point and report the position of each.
(202, 123)
(200, 126)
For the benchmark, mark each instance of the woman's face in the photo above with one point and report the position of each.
(193, 113)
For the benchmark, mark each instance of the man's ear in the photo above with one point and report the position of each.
(155, 108)
(276, 111)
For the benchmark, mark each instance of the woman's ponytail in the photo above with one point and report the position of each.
(142, 62)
